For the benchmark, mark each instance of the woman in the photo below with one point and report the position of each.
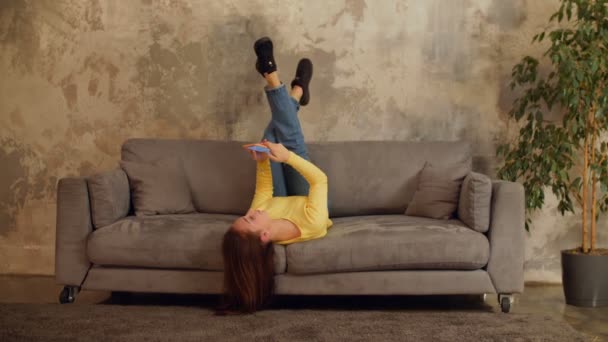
(290, 201)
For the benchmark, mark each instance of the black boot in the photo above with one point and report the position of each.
(265, 62)
(302, 79)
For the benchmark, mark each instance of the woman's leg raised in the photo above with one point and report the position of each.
(278, 176)
(284, 108)
(288, 130)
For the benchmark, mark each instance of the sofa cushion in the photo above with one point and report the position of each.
(474, 202)
(365, 177)
(109, 196)
(221, 174)
(159, 187)
(390, 242)
(438, 190)
(379, 177)
(188, 241)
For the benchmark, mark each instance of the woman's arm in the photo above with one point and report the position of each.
(316, 178)
(317, 194)
(263, 184)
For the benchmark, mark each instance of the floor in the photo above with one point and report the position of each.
(537, 298)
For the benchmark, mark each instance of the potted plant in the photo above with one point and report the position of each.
(562, 141)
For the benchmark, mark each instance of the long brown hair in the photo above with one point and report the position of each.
(248, 273)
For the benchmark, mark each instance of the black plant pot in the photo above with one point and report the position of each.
(585, 279)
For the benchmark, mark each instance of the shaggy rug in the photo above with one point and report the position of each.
(187, 322)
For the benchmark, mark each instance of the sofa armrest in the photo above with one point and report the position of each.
(73, 226)
(110, 196)
(506, 236)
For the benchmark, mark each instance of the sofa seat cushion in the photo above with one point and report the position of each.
(390, 242)
(187, 241)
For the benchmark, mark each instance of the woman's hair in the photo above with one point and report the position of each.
(248, 273)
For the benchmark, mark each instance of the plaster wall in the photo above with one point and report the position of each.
(81, 76)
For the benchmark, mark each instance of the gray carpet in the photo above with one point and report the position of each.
(167, 322)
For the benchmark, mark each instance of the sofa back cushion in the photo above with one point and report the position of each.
(438, 190)
(220, 173)
(109, 196)
(159, 187)
(379, 177)
(475, 201)
(365, 177)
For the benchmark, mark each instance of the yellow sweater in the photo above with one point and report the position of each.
(308, 213)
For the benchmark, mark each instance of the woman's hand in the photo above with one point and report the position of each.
(278, 152)
(258, 156)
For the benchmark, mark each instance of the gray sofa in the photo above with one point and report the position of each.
(373, 248)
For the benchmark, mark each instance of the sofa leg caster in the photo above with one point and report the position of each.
(68, 294)
(505, 300)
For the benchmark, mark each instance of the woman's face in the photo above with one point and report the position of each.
(255, 221)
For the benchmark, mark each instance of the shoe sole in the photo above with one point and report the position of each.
(258, 43)
(305, 92)
(256, 47)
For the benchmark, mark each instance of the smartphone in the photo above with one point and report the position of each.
(257, 148)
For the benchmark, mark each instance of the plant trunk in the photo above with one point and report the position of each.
(585, 186)
(593, 183)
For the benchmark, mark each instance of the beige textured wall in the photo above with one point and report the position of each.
(81, 76)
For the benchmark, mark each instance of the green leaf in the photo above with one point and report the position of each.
(576, 183)
(594, 66)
